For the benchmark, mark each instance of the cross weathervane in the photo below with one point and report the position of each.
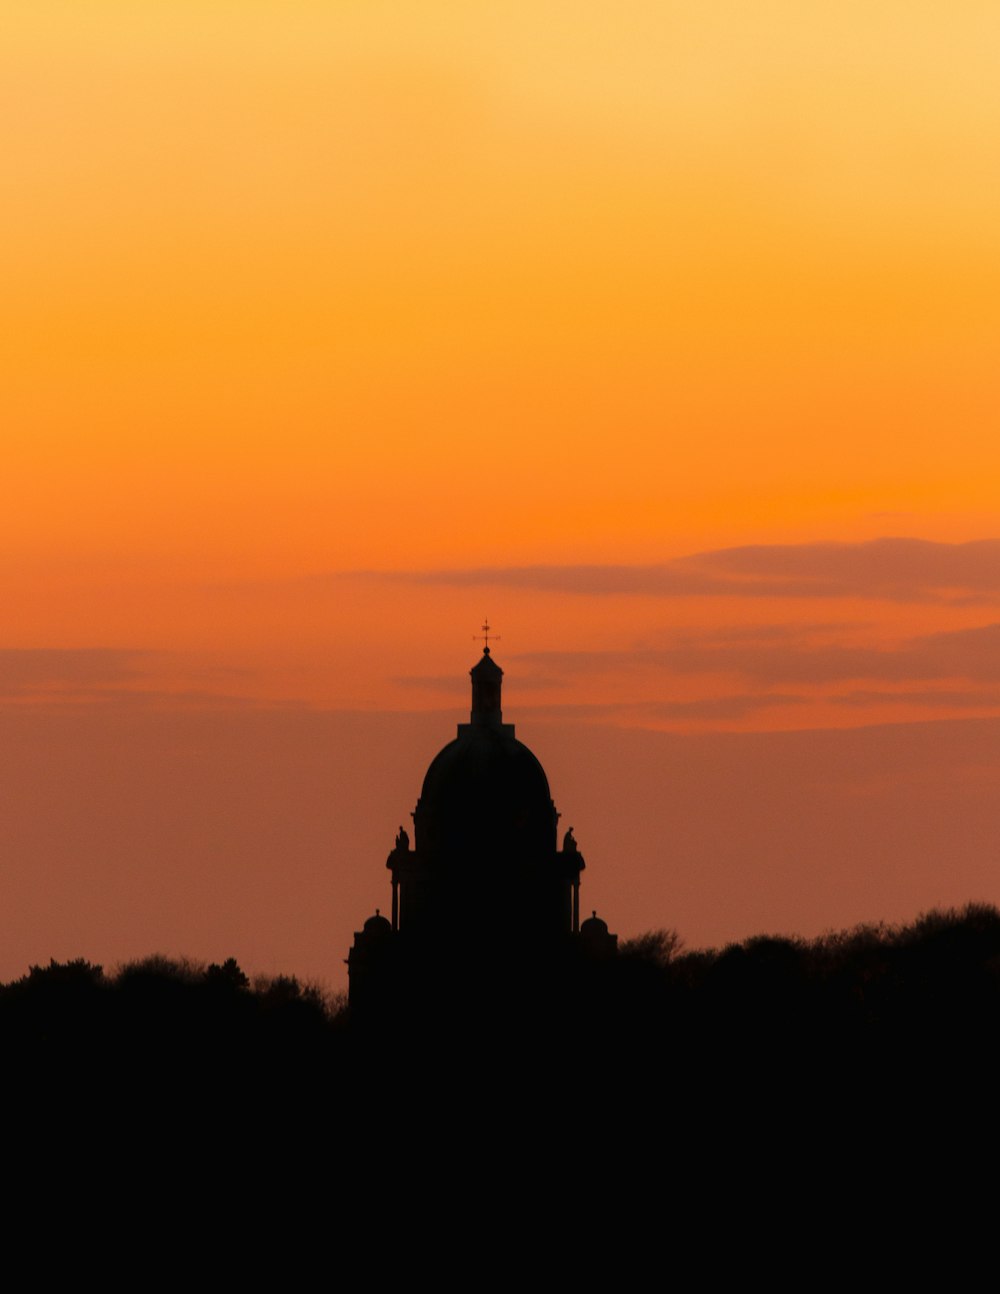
(485, 635)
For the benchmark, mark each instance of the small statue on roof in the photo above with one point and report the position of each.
(402, 840)
(569, 843)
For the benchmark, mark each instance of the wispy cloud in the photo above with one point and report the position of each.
(715, 708)
(930, 698)
(972, 654)
(25, 671)
(900, 570)
(450, 682)
(890, 569)
(109, 678)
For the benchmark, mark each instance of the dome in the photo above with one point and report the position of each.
(378, 924)
(484, 794)
(596, 938)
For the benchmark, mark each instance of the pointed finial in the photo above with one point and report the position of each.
(485, 635)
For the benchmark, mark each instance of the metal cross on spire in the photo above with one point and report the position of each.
(485, 636)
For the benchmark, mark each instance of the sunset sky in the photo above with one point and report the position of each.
(664, 334)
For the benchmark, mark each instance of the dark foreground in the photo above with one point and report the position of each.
(857, 1072)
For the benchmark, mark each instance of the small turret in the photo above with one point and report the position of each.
(487, 677)
(596, 939)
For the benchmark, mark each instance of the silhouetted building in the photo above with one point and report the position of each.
(485, 882)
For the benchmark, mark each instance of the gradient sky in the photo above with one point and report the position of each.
(663, 333)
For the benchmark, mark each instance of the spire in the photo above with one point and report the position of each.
(486, 679)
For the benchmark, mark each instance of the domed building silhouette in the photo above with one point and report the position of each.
(485, 882)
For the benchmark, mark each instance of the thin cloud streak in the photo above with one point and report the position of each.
(974, 699)
(972, 654)
(451, 683)
(898, 570)
(26, 670)
(112, 678)
(717, 709)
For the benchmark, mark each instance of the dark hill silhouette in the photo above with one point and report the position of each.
(814, 1086)
(656, 1014)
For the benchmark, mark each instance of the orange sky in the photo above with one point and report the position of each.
(329, 327)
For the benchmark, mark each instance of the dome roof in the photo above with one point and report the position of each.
(486, 761)
(378, 924)
(485, 798)
(487, 793)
